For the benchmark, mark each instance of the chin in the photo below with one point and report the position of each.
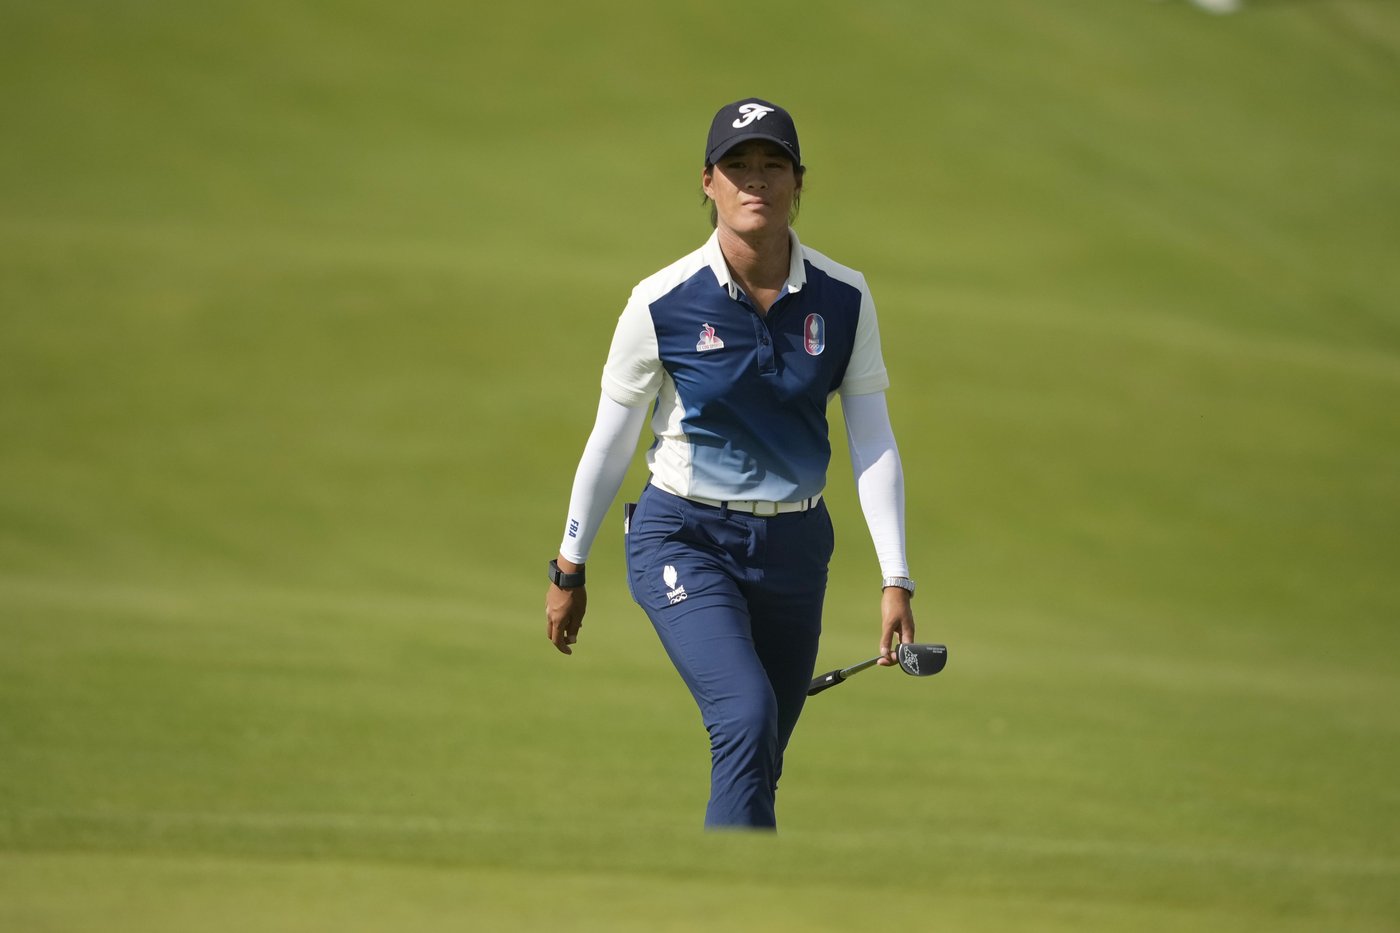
(757, 224)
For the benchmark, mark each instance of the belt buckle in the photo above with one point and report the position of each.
(765, 509)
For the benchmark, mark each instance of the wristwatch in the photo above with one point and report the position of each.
(904, 583)
(565, 581)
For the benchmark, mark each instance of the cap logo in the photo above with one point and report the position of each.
(751, 112)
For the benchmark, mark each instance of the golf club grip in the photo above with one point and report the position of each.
(824, 682)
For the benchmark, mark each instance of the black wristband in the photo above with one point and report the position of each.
(565, 581)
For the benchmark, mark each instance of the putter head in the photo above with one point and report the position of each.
(922, 660)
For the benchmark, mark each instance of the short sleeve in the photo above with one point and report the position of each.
(866, 374)
(632, 375)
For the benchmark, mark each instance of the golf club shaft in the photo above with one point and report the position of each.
(832, 678)
(857, 668)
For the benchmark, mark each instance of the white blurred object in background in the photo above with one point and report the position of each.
(1218, 6)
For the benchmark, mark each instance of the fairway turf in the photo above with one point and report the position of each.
(302, 312)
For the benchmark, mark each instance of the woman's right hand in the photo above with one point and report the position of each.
(564, 609)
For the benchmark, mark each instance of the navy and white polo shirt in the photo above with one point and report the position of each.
(741, 397)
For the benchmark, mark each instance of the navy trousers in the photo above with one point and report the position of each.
(737, 602)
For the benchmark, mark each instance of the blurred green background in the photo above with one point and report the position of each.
(302, 311)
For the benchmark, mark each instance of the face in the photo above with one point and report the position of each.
(753, 186)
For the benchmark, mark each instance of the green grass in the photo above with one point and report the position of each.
(302, 309)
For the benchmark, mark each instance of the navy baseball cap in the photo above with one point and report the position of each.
(747, 119)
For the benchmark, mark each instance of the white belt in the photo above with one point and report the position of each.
(757, 507)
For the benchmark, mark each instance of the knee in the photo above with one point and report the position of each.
(746, 722)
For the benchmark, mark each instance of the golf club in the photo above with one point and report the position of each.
(918, 660)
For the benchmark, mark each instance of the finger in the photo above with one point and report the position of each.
(556, 635)
(567, 632)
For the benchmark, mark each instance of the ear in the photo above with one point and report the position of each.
(707, 180)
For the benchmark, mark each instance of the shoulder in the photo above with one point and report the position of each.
(668, 279)
(833, 269)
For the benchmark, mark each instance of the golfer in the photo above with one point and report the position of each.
(736, 350)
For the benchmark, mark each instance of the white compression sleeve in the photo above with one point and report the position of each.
(600, 472)
(879, 477)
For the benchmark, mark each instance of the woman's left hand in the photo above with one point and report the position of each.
(896, 622)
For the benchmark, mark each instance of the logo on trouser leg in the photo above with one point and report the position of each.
(674, 593)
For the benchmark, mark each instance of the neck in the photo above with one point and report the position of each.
(758, 260)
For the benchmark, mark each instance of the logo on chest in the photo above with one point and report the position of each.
(709, 340)
(814, 335)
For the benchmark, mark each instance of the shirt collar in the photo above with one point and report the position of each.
(714, 256)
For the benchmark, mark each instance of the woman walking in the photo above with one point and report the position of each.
(737, 348)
